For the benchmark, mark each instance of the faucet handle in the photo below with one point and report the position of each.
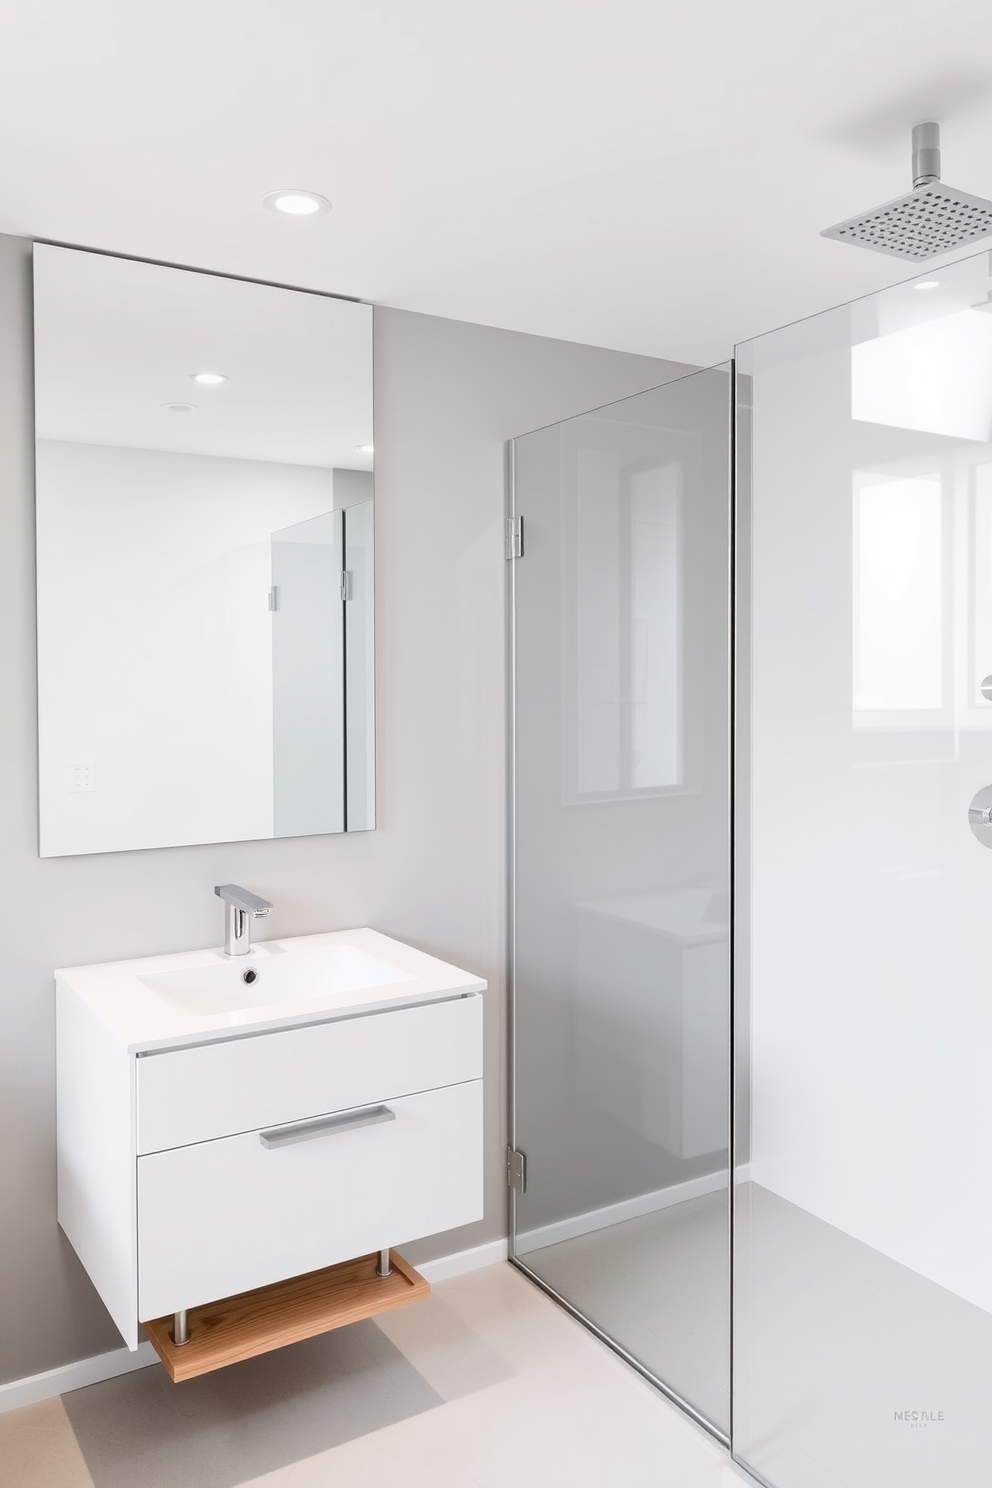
(243, 899)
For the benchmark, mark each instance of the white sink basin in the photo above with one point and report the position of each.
(191, 995)
(271, 975)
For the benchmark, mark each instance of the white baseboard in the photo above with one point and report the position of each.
(122, 1361)
(464, 1260)
(74, 1376)
(611, 1214)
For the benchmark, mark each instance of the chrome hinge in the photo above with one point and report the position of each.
(274, 597)
(516, 1170)
(345, 585)
(514, 537)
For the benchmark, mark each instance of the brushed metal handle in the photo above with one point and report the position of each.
(325, 1126)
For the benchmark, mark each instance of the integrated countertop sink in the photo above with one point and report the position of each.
(274, 974)
(186, 997)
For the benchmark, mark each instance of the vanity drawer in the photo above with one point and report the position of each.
(215, 1090)
(226, 1216)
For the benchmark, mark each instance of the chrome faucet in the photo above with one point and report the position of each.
(240, 907)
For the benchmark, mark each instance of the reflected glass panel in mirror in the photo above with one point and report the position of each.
(205, 582)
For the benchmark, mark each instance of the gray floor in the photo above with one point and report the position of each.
(836, 1345)
(832, 1340)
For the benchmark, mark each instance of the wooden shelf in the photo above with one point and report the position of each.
(237, 1328)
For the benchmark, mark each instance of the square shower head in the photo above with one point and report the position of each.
(932, 219)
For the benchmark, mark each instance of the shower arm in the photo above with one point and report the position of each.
(926, 154)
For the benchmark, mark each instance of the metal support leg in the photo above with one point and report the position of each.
(383, 1266)
(180, 1327)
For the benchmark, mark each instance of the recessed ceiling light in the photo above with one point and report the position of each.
(365, 449)
(208, 379)
(179, 407)
(928, 284)
(296, 203)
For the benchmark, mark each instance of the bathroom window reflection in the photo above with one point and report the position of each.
(623, 587)
(934, 377)
(899, 627)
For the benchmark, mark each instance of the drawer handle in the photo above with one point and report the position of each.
(325, 1126)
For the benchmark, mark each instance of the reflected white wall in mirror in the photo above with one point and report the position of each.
(204, 571)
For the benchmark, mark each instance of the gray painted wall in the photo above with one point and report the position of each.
(448, 395)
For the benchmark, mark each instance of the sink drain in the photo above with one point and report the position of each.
(249, 976)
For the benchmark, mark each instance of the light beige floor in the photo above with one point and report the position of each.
(487, 1384)
(660, 1286)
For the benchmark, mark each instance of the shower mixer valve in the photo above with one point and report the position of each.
(980, 815)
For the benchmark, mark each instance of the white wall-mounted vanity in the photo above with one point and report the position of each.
(225, 1123)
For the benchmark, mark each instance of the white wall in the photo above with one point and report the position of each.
(155, 641)
(433, 872)
(871, 1015)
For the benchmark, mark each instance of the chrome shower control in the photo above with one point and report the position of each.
(980, 816)
(985, 688)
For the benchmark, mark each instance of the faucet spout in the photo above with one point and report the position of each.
(241, 906)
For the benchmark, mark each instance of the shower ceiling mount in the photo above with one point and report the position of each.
(931, 220)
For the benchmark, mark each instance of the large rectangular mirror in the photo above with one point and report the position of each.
(205, 580)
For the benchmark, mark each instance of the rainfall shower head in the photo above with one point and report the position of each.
(932, 219)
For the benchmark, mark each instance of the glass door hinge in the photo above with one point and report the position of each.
(345, 585)
(516, 1170)
(274, 597)
(514, 537)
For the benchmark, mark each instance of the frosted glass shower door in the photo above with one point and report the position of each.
(621, 832)
(863, 1231)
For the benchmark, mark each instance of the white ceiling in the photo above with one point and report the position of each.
(642, 174)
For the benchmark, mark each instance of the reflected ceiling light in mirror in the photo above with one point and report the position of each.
(293, 203)
(179, 407)
(928, 284)
(935, 377)
(208, 379)
(365, 449)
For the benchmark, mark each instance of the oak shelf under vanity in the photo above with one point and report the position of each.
(238, 1328)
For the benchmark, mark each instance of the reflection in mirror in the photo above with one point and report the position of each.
(205, 586)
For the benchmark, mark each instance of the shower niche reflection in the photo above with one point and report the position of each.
(205, 561)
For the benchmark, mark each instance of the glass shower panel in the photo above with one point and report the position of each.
(863, 1207)
(621, 833)
(308, 676)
